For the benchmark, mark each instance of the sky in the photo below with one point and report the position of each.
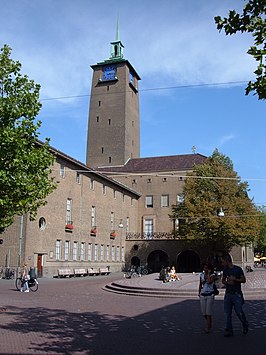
(193, 77)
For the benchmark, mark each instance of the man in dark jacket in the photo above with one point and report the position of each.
(233, 277)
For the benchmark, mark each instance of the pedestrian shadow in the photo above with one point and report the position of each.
(172, 329)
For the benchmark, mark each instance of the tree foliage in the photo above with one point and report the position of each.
(211, 186)
(261, 242)
(253, 21)
(24, 163)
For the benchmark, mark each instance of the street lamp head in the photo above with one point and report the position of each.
(220, 212)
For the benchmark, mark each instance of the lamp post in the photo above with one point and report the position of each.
(121, 226)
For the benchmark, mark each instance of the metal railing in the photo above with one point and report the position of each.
(151, 236)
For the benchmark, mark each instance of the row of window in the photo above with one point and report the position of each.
(80, 252)
(62, 173)
(164, 200)
(164, 179)
(93, 217)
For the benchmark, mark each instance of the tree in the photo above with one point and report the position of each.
(253, 21)
(24, 162)
(210, 187)
(261, 242)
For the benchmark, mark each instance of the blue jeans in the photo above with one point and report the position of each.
(233, 301)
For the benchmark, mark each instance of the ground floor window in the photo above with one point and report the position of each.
(66, 250)
(58, 249)
(75, 251)
(82, 251)
(90, 252)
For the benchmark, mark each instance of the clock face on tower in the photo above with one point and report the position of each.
(109, 73)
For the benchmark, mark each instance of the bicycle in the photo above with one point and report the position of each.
(32, 282)
(9, 274)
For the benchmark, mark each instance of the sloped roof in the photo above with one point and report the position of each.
(82, 168)
(153, 164)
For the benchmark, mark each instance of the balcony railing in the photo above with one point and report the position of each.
(151, 236)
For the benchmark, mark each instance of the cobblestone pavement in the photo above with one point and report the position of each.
(75, 316)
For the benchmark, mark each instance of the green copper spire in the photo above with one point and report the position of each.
(117, 46)
(117, 38)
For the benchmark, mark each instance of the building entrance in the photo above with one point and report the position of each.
(188, 261)
(156, 260)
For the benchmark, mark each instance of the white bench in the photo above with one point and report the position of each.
(105, 271)
(80, 272)
(65, 272)
(92, 271)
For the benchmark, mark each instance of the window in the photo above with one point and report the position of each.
(91, 184)
(127, 225)
(66, 250)
(42, 223)
(99, 103)
(75, 251)
(112, 221)
(93, 221)
(113, 253)
(58, 249)
(109, 121)
(114, 193)
(107, 252)
(117, 253)
(78, 177)
(148, 227)
(102, 150)
(97, 119)
(82, 251)
(102, 252)
(110, 160)
(62, 171)
(89, 252)
(165, 201)
(104, 189)
(95, 252)
(69, 211)
(180, 198)
(149, 201)
(123, 254)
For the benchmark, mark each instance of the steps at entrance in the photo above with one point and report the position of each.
(134, 290)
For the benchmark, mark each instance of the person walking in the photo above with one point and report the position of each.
(25, 277)
(233, 277)
(206, 294)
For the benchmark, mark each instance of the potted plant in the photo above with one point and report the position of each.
(112, 234)
(93, 231)
(69, 227)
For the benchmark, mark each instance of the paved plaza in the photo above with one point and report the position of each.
(76, 316)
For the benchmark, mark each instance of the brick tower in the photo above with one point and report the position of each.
(114, 124)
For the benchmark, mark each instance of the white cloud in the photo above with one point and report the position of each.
(226, 138)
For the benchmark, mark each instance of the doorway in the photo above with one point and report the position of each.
(39, 265)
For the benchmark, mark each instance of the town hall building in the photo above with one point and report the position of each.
(113, 211)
